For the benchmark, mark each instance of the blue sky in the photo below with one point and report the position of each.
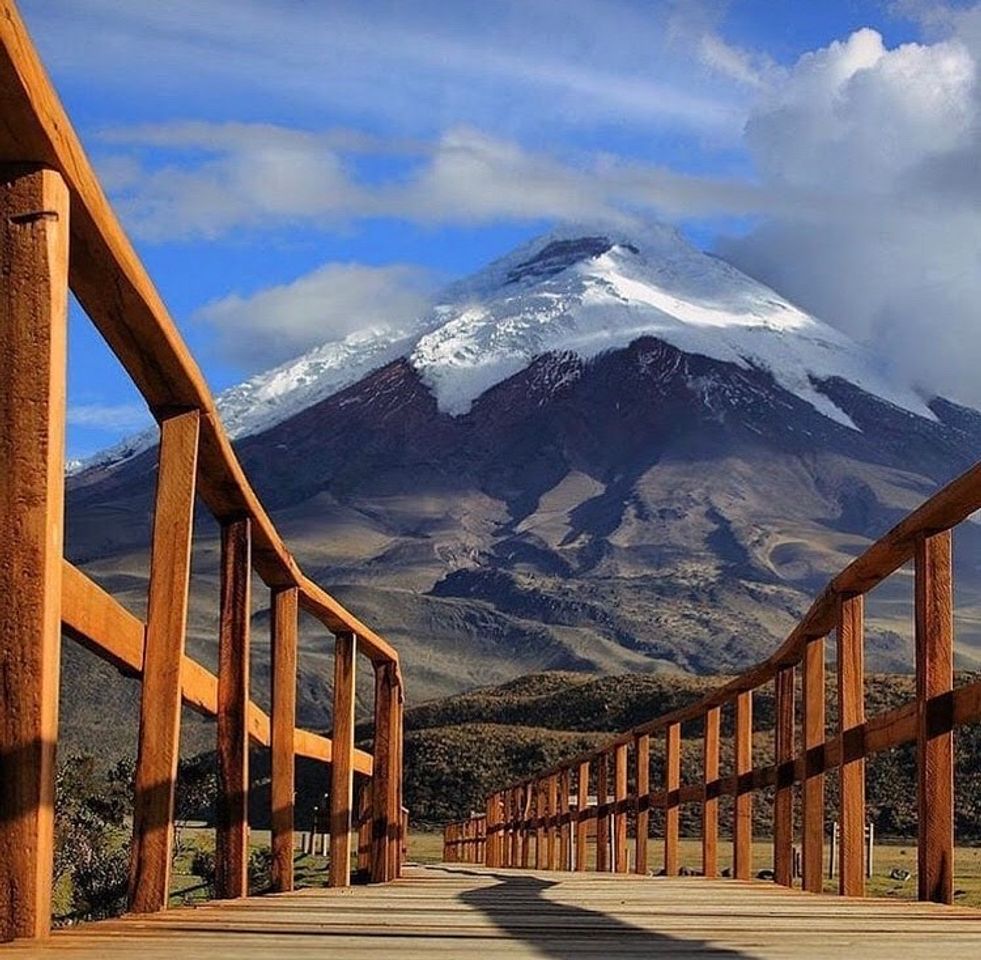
(383, 148)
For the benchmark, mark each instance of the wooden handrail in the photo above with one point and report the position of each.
(924, 537)
(57, 232)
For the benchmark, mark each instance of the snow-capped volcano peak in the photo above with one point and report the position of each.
(580, 289)
(587, 291)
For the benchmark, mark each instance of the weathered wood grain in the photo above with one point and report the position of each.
(783, 803)
(33, 319)
(283, 641)
(812, 799)
(742, 832)
(163, 656)
(710, 794)
(851, 718)
(342, 767)
(672, 812)
(935, 740)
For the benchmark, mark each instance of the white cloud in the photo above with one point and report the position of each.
(278, 323)
(113, 417)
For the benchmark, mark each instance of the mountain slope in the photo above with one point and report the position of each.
(601, 454)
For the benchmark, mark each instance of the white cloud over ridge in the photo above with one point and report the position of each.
(278, 323)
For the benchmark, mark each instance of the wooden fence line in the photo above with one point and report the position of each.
(58, 232)
(923, 537)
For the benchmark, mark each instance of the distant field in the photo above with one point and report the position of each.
(428, 848)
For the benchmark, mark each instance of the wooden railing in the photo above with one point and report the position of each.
(552, 813)
(58, 232)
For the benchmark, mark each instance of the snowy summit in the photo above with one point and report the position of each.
(581, 290)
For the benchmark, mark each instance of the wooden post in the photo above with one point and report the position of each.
(783, 802)
(621, 853)
(551, 829)
(851, 717)
(232, 833)
(527, 800)
(537, 805)
(642, 760)
(565, 827)
(710, 800)
(934, 738)
(385, 772)
(812, 828)
(166, 628)
(490, 819)
(672, 783)
(514, 857)
(395, 845)
(742, 834)
(342, 767)
(582, 819)
(33, 320)
(602, 818)
(283, 640)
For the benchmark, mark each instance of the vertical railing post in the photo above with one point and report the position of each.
(384, 771)
(710, 799)
(582, 818)
(166, 629)
(540, 810)
(935, 738)
(783, 802)
(565, 828)
(527, 810)
(514, 858)
(642, 761)
(812, 820)
(342, 766)
(551, 830)
(742, 834)
(620, 851)
(602, 816)
(851, 718)
(283, 640)
(399, 833)
(672, 783)
(33, 320)
(232, 813)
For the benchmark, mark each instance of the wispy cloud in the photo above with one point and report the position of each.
(111, 417)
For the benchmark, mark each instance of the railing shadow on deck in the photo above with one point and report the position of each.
(518, 906)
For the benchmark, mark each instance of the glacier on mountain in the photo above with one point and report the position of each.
(583, 290)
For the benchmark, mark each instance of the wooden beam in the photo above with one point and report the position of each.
(160, 703)
(283, 641)
(232, 805)
(551, 822)
(783, 802)
(642, 775)
(935, 739)
(342, 769)
(33, 319)
(384, 796)
(565, 825)
(620, 849)
(812, 818)
(710, 793)
(851, 720)
(742, 845)
(672, 782)
(603, 818)
(582, 819)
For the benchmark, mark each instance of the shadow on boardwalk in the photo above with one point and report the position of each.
(517, 905)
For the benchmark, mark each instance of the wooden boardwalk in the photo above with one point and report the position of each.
(459, 911)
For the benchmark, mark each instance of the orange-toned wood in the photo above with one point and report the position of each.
(384, 793)
(672, 781)
(621, 853)
(742, 846)
(342, 768)
(603, 818)
(565, 825)
(517, 814)
(232, 803)
(710, 793)
(812, 817)
(783, 802)
(642, 761)
(527, 811)
(399, 738)
(582, 819)
(160, 703)
(551, 831)
(935, 739)
(283, 640)
(33, 318)
(851, 717)
(540, 810)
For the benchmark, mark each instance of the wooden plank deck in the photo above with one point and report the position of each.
(457, 911)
